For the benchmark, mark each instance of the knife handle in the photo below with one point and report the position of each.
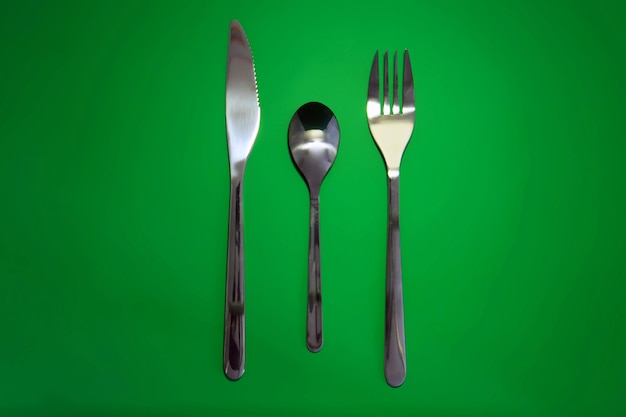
(395, 349)
(234, 316)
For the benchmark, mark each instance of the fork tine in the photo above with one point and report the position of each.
(373, 91)
(386, 103)
(396, 102)
(408, 93)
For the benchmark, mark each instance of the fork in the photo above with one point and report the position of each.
(391, 125)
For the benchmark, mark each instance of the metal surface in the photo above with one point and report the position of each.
(313, 142)
(243, 115)
(391, 127)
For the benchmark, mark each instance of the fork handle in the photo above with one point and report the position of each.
(395, 351)
(234, 315)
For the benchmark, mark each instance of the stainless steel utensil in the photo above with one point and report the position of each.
(391, 126)
(313, 142)
(243, 116)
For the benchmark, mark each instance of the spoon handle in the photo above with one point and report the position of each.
(314, 303)
(234, 317)
(395, 351)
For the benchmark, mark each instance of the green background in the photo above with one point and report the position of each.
(114, 201)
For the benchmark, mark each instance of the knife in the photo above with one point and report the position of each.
(243, 116)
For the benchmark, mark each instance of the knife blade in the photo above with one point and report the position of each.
(243, 115)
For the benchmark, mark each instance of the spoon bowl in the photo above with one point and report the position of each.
(313, 141)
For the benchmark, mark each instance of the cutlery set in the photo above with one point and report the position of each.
(313, 138)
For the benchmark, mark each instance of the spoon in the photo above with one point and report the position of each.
(313, 142)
